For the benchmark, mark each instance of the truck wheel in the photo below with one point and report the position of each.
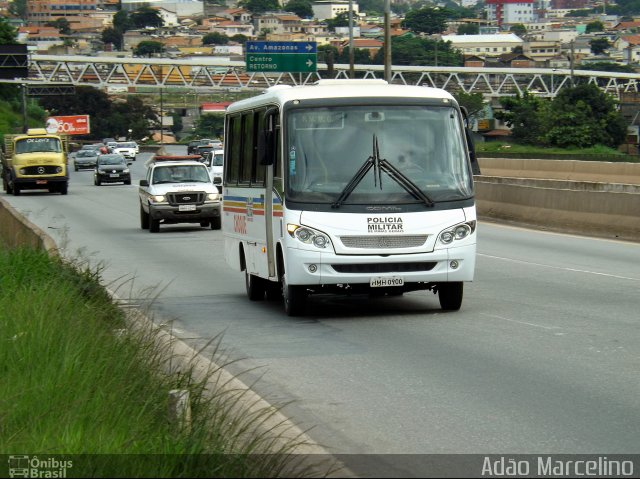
(216, 223)
(8, 188)
(450, 295)
(154, 225)
(294, 298)
(64, 189)
(144, 219)
(255, 286)
(16, 190)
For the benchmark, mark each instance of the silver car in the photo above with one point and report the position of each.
(85, 159)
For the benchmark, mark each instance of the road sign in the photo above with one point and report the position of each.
(278, 57)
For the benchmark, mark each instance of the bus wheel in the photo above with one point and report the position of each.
(274, 291)
(450, 295)
(255, 286)
(294, 298)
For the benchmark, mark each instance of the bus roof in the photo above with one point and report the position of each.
(346, 88)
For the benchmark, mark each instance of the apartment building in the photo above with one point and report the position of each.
(485, 45)
(510, 12)
(325, 9)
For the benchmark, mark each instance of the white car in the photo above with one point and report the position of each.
(215, 161)
(178, 190)
(126, 149)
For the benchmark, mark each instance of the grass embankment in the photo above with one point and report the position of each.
(596, 151)
(70, 385)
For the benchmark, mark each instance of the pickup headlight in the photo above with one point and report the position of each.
(457, 232)
(157, 199)
(308, 235)
(213, 196)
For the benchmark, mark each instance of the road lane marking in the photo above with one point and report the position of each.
(561, 268)
(519, 322)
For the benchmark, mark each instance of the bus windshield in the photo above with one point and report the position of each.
(38, 145)
(327, 146)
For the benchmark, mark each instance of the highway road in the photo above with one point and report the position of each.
(543, 357)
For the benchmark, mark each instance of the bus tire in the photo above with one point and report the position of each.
(274, 291)
(255, 286)
(450, 295)
(294, 298)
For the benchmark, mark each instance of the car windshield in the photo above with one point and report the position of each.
(111, 160)
(218, 159)
(181, 174)
(85, 153)
(124, 145)
(376, 155)
(38, 145)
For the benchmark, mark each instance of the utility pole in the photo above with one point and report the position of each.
(571, 61)
(351, 54)
(25, 125)
(387, 40)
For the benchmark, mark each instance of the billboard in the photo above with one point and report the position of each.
(69, 125)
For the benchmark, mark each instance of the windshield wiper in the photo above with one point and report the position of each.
(379, 165)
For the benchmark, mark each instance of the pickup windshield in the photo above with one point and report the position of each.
(421, 146)
(181, 174)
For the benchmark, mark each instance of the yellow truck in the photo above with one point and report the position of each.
(33, 161)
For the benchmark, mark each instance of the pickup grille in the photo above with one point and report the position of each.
(384, 267)
(186, 197)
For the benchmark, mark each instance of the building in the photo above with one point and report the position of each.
(325, 9)
(510, 12)
(484, 45)
(279, 23)
(40, 12)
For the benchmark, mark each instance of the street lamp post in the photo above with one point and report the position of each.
(387, 40)
(129, 130)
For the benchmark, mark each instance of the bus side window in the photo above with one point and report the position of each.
(233, 161)
(246, 161)
(258, 131)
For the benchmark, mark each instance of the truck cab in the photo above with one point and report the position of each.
(33, 161)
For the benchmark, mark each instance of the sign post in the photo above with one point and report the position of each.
(281, 57)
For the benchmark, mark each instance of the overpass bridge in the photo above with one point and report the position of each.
(211, 75)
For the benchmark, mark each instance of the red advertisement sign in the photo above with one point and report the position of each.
(69, 125)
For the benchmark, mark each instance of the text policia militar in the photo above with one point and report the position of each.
(548, 466)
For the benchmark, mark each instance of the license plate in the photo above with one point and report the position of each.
(114, 175)
(384, 281)
(41, 182)
(186, 207)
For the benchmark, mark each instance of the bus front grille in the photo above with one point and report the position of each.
(384, 267)
(384, 241)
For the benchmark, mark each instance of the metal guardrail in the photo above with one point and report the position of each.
(225, 75)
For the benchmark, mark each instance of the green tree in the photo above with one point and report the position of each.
(427, 20)
(177, 123)
(259, 6)
(146, 48)
(210, 125)
(520, 113)
(421, 51)
(8, 34)
(340, 20)
(519, 29)
(215, 38)
(468, 29)
(583, 116)
(62, 24)
(122, 22)
(18, 8)
(146, 17)
(579, 13)
(372, 7)
(113, 36)
(239, 38)
(607, 67)
(595, 26)
(302, 8)
(599, 45)
(473, 102)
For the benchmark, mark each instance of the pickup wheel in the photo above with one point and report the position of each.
(216, 223)
(154, 225)
(144, 219)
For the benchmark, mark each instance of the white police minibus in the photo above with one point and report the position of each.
(352, 186)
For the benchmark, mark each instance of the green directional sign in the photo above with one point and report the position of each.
(278, 57)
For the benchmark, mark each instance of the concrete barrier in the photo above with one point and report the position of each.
(17, 231)
(572, 170)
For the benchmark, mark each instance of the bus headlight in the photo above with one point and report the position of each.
(457, 232)
(308, 235)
